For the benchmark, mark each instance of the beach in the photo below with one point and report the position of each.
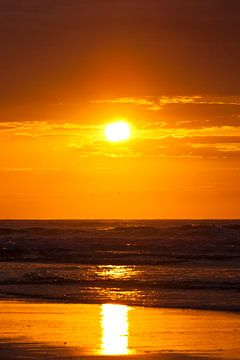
(30, 330)
(158, 289)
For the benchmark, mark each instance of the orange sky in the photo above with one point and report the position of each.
(170, 68)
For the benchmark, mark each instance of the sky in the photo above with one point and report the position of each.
(170, 68)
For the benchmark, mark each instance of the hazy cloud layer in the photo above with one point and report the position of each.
(89, 141)
(157, 103)
(64, 51)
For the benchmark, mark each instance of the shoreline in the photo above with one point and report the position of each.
(37, 300)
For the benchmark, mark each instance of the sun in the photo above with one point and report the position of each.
(117, 131)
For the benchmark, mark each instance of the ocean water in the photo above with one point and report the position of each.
(160, 263)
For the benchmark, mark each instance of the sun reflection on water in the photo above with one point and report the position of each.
(117, 272)
(114, 322)
(111, 271)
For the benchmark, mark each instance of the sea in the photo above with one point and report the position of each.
(158, 263)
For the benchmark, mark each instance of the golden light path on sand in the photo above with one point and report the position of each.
(114, 323)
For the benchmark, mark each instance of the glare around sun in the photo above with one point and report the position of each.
(117, 131)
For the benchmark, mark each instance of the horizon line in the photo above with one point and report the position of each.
(120, 219)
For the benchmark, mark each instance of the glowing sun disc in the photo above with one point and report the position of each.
(117, 131)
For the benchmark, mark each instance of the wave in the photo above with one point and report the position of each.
(125, 284)
(169, 263)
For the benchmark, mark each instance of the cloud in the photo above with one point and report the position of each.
(147, 102)
(157, 103)
(181, 111)
(37, 129)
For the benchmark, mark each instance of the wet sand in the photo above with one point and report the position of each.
(78, 331)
